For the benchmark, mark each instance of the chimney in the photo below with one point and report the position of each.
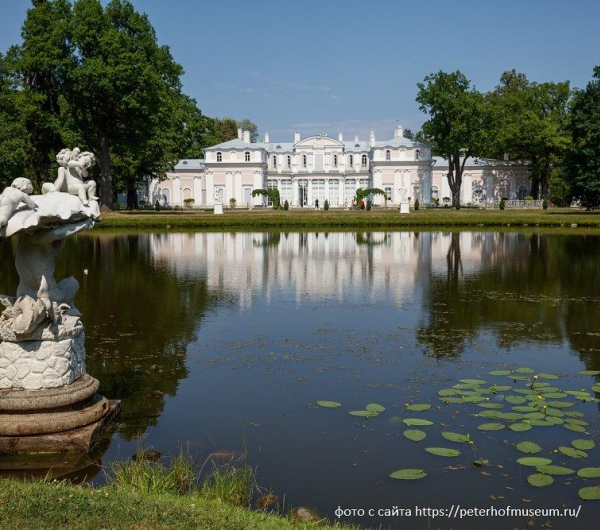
(296, 137)
(246, 136)
(372, 139)
(341, 137)
(266, 137)
(239, 133)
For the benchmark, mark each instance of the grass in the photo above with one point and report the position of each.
(142, 495)
(309, 218)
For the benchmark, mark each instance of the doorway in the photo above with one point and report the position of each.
(303, 193)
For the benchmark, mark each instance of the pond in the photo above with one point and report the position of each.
(224, 342)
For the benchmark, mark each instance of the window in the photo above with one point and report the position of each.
(289, 161)
(388, 193)
(523, 191)
(417, 154)
(334, 192)
(351, 160)
(318, 191)
(349, 191)
(219, 157)
(247, 156)
(334, 160)
(304, 160)
(271, 185)
(285, 191)
(274, 160)
(388, 155)
(364, 161)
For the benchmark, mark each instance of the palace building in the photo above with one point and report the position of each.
(322, 168)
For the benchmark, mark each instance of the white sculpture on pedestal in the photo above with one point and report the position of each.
(404, 207)
(218, 201)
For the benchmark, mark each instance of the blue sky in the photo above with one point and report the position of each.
(324, 66)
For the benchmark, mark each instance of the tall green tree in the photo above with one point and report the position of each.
(582, 163)
(221, 130)
(531, 124)
(192, 128)
(248, 125)
(457, 124)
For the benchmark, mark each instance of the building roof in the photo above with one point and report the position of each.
(399, 142)
(477, 162)
(190, 163)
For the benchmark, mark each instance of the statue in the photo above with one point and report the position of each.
(217, 196)
(72, 173)
(11, 197)
(403, 194)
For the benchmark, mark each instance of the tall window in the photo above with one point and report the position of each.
(388, 193)
(274, 160)
(351, 160)
(364, 161)
(522, 193)
(304, 160)
(388, 155)
(247, 156)
(271, 185)
(219, 157)
(334, 160)
(289, 161)
(417, 154)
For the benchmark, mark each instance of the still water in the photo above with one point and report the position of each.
(225, 341)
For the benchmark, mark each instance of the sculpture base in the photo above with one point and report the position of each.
(404, 208)
(218, 209)
(69, 419)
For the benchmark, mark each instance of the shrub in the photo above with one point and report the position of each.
(369, 204)
(502, 204)
(545, 204)
(529, 198)
(286, 205)
(326, 205)
(417, 205)
(457, 203)
(157, 205)
(188, 203)
(232, 202)
(142, 204)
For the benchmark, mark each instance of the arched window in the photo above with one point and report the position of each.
(247, 156)
(289, 161)
(274, 160)
(219, 157)
(351, 160)
(417, 154)
(523, 192)
(335, 160)
(388, 155)
(364, 161)
(304, 160)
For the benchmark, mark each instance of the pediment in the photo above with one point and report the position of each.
(318, 142)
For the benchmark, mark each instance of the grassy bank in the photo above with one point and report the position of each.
(140, 496)
(308, 218)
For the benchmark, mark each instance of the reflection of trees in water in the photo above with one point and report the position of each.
(139, 319)
(529, 286)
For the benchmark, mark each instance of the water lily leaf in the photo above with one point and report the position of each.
(362, 413)
(574, 421)
(554, 420)
(589, 472)
(524, 409)
(415, 435)
(500, 372)
(408, 474)
(555, 470)
(583, 445)
(499, 388)
(554, 412)
(491, 426)
(596, 387)
(458, 400)
(329, 404)
(589, 372)
(490, 405)
(546, 389)
(578, 393)
(518, 377)
(418, 407)
(561, 404)
(543, 375)
(574, 414)
(455, 437)
(591, 493)
(472, 381)
(555, 395)
(515, 400)
(573, 453)
(448, 392)
(491, 414)
(519, 427)
(534, 416)
(416, 422)
(575, 428)
(524, 370)
(534, 461)
(474, 399)
(538, 480)
(540, 384)
(442, 451)
(540, 423)
(528, 447)
(375, 407)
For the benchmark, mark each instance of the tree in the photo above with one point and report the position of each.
(247, 125)
(457, 124)
(221, 130)
(582, 163)
(531, 124)
(271, 194)
(408, 134)
(192, 130)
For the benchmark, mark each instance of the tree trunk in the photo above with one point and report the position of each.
(106, 188)
(132, 197)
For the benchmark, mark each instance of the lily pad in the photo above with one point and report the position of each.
(538, 480)
(589, 472)
(596, 387)
(362, 413)
(524, 370)
(540, 423)
(491, 426)
(589, 372)
(442, 451)
(547, 376)
(408, 474)
(415, 435)
(591, 493)
(575, 428)
(515, 400)
(329, 404)
(472, 381)
(555, 470)
(499, 388)
(528, 447)
(555, 395)
(416, 422)
(419, 407)
(573, 453)
(448, 392)
(500, 372)
(375, 407)
(534, 461)
(561, 404)
(519, 427)
(490, 405)
(456, 437)
(583, 445)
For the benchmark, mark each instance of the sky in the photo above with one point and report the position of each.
(352, 66)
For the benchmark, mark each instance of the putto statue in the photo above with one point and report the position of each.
(42, 343)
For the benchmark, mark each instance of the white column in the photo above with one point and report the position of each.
(295, 192)
(197, 191)
(238, 188)
(341, 187)
(210, 188)
(377, 183)
(229, 191)
(327, 190)
(258, 184)
(309, 199)
(176, 191)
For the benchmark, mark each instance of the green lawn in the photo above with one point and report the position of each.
(380, 218)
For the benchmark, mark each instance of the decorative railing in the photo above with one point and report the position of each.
(513, 203)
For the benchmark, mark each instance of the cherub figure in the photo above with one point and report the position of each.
(73, 170)
(12, 196)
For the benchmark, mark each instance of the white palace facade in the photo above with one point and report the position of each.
(324, 168)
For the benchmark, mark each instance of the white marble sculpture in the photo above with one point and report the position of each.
(217, 196)
(404, 207)
(41, 331)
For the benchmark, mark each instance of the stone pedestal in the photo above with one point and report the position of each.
(404, 208)
(218, 209)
